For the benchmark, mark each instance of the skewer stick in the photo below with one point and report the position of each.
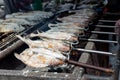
(105, 26)
(110, 21)
(98, 40)
(90, 66)
(100, 32)
(94, 51)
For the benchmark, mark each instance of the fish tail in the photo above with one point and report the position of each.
(27, 41)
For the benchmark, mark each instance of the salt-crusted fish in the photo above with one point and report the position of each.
(40, 57)
(33, 16)
(10, 27)
(18, 21)
(67, 25)
(68, 30)
(49, 44)
(57, 35)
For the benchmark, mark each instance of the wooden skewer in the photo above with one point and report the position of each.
(89, 66)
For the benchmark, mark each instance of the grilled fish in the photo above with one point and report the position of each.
(40, 57)
(41, 14)
(49, 44)
(64, 29)
(67, 19)
(10, 27)
(57, 35)
(32, 16)
(18, 21)
(77, 26)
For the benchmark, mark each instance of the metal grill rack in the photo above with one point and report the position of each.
(30, 73)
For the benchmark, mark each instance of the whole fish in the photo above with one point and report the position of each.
(17, 21)
(10, 27)
(49, 44)
(67, 25)
(34, 16)
(40, 57)
(57, 35)
(68, 30)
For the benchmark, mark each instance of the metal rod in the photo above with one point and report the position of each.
(97, 40)
(94, 51)
(90, 66)
(105, 26)
(100, 32)
(95, 77)
(111, 21)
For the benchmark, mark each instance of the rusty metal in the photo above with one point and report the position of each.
(90, 66)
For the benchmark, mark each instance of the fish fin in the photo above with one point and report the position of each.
(18, 56)
(23, 39)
